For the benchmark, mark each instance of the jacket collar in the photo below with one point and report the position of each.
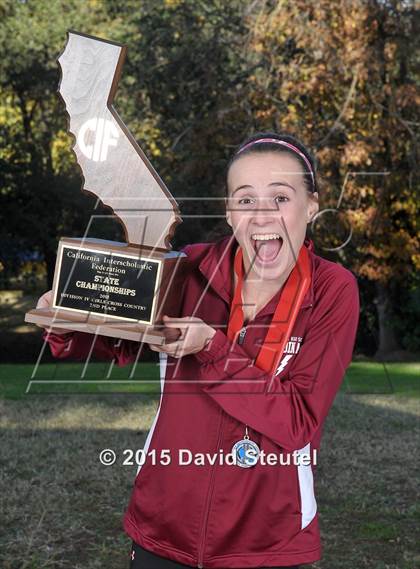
(216, 266)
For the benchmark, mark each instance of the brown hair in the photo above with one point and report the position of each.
(311, 183)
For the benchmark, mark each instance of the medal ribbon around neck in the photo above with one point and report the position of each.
(287, 309)
(246, 451)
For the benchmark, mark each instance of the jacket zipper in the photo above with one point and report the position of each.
(241, 336)
(241, 339)
(208, 499)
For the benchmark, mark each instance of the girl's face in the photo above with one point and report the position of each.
(268, 208)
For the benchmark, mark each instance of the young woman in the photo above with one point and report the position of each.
(266, 335)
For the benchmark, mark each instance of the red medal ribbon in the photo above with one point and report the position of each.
(281, 326)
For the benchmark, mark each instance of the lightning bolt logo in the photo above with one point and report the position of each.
(283, 363)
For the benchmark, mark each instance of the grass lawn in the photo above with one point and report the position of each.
(19, 380)
(60, 508)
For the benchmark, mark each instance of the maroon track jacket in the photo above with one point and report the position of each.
(221, 515)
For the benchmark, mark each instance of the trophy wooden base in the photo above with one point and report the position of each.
(50, 318)
(99, 289)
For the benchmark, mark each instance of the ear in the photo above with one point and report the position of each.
(313, 206)
(227, 209)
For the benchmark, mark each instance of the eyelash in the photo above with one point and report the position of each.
(241, 201)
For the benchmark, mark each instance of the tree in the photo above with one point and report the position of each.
(176, 87)
(182, 79)
(341, 76)
(39, 196)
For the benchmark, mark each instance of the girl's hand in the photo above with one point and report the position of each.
(195, 335)
(45, 301)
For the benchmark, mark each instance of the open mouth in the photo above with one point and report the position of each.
(267, 246)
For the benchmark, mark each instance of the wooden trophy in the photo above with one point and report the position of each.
(102, 287)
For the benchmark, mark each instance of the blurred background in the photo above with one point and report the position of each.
(199, 77)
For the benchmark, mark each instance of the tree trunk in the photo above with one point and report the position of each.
(387, 341)
(50, 257)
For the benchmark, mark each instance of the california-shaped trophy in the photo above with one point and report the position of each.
(114, 289)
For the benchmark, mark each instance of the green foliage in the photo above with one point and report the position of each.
(179, 92)
(39, 196)
(342, 76)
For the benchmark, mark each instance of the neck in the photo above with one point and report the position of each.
(261, 287)
(257, 292)
(253, 282)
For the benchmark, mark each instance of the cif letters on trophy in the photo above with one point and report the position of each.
(103, 287)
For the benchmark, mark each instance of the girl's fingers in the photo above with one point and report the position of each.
(173, 349)
(183, 333)
(156, 348)
(173, 346)
(181, 322)
(172, 334)
(45, 300)
(176, 324)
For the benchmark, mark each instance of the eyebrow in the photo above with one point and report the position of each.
(272, 184)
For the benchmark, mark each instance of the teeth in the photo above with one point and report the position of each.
(265, 237)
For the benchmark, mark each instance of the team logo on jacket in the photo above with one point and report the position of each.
(291, 349)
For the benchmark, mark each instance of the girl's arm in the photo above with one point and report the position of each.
(293, 409)
(82, 346)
